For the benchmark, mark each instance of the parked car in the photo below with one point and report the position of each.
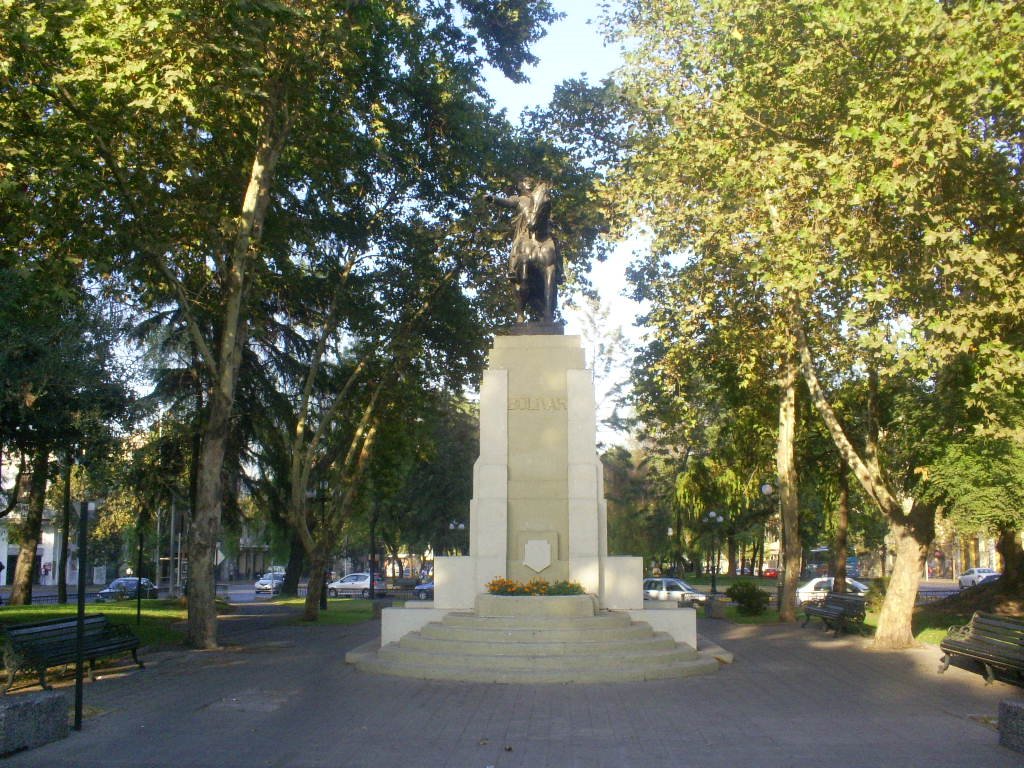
(770, 572)
(671, 589)
(816, 589)
(270, 583)
(127, 588)
(989, 578)
(972, 576)
(424, 591)
(356, 584)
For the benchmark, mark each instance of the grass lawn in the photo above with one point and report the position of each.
(155, 627)
(723, 582)
(159, 617)
(341, 610)
(930, 625)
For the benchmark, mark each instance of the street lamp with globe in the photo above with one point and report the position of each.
(768, 491)
(714, 520)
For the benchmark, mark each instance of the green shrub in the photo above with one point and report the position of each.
(750, 599)
(565, 588)
(876, 594)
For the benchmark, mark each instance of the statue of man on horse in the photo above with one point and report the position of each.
(535, 265)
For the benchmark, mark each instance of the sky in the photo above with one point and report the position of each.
(575, 48)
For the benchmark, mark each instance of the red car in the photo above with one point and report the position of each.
(770, 573)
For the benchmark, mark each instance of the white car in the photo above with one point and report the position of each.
(270, 583)
(816, 589)
(356, 584)
(671, 589)
(972, 576)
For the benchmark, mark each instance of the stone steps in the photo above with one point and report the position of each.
(604, 647)
(609, 671)
(559, 634)
(538, 655)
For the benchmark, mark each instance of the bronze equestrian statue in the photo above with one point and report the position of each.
(535, 265)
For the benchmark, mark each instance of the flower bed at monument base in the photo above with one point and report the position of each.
(503, 586)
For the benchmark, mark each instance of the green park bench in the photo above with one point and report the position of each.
(993, 644)
(837, 611)
(50, 643)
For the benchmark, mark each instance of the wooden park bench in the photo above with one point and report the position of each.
(995, 643)
(837, 611)
(44, 644)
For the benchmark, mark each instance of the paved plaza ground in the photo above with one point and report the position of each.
(279, 694)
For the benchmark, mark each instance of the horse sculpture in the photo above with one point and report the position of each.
(535, 265)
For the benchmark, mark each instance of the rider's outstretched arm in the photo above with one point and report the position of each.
(507, 202)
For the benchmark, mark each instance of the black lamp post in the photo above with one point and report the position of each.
(86, 510)
(768, 490)
(715, 520)
(454, 526)
(672, 548)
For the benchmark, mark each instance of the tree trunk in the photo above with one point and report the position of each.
(1009, 548)
(293, 569)
(311, 608)
(912, 530)
(202, 613)
(789, 502)
(839, 542)
(30, 531)
(205, 527)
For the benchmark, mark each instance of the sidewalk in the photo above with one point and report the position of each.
(280, 695)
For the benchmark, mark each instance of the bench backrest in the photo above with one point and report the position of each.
(998, 629)
(846, 602)
(56, 629)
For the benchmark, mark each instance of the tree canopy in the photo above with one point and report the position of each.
(841, 181)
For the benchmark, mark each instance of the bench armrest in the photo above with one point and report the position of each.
(959, 632)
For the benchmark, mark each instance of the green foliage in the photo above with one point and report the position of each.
(507, 28)
(876, 594)
(980, 484)
(290, 196)
(564, 588)
(749, 597)
(842, 156)
(60, 384)
(640, 508)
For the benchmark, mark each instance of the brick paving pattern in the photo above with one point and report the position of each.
(279, 694)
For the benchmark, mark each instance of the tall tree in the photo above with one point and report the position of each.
(197, 128)
(862, 163)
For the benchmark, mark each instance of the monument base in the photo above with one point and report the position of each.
(537, 639)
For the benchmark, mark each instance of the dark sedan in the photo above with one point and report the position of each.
(424, 591)
(127, 588)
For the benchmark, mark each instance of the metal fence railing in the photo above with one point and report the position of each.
(924, 597)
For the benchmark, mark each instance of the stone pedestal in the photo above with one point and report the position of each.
(29, 720)
(538, 508)
(1011, 724)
